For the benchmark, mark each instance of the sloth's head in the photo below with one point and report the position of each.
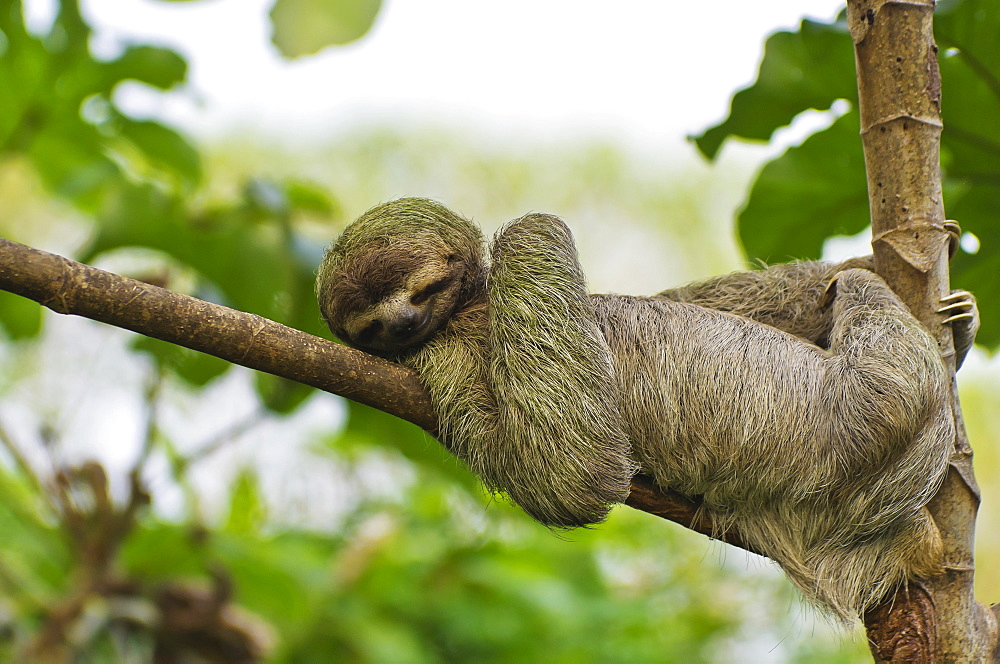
(397, 274)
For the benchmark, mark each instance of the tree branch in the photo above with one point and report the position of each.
(68, 287)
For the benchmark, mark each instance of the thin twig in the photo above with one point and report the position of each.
(225, 437)
(152, 415)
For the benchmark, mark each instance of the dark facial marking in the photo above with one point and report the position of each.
(372, 276)
(431, 289)
(369, 332)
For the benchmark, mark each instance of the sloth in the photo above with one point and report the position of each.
(802, 405)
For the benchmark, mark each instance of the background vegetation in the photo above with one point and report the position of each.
(156, 500)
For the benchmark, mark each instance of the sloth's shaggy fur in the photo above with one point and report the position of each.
(802, 404)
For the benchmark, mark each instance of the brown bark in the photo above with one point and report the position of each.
(68, 287)
(899, 90)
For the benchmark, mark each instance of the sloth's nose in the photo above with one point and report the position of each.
(403, 324)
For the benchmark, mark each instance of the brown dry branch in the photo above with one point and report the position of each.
(255, 342)
(899, 89)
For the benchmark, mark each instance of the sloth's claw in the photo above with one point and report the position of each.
(955, 235)
(962, 314)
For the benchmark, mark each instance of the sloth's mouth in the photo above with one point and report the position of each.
(418, 333)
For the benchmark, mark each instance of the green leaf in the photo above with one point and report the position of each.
(976, 209)
(193, 367)
(810, 192)
(246, 507)
(159, 551)
(19, 316)
(968, 34)
(280, 394)
(159, 67)
(69, 156)
(304, 27)
(313, 198)
(808, 69)
(163, 148)
(817, 190)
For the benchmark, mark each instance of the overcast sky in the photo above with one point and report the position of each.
(644, 71)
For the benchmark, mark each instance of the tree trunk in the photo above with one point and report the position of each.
(899, 90)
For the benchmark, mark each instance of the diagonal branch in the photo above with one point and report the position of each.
(68, 287)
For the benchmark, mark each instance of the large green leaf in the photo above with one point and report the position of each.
(159, 67)
(818, 189)
(968, 33)
(812, 191)
(808, 69)
(20, 317)
(980, 272)
(247, 511)
(163, 149)
(304, 27)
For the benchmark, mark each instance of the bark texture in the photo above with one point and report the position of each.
(899, 86)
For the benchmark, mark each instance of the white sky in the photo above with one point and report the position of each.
(645, 72)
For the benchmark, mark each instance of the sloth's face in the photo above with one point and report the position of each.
(393, 302)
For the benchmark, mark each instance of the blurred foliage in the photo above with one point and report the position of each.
(823, 178)
(400, 583)
(303, 27)
(140, 180)
(415, 565)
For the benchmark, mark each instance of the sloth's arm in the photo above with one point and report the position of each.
(790, 296)
(793, 297)
(532, 405)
